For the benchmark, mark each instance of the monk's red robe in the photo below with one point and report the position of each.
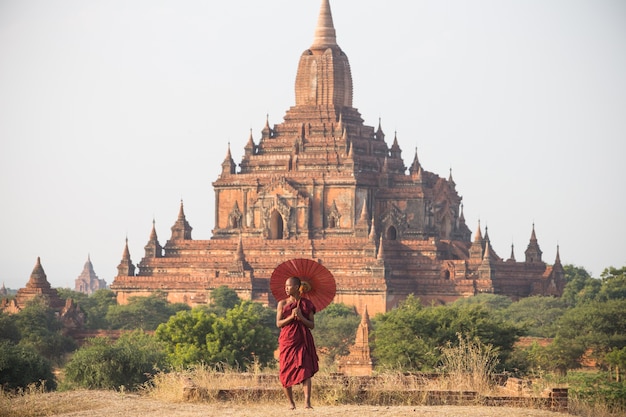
(298, 358)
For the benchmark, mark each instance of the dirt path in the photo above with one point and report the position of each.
(113, 404)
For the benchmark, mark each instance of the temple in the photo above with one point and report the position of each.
(88, 282)
(359, 361)
(324, 185)
(38, 288)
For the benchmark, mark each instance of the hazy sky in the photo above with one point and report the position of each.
(111, 112)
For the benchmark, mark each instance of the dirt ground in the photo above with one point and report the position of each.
(110, 404)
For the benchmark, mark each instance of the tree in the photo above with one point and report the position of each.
(144, 313)
(580, 285)
(399, 338)
(184, 336)
(8, 328)
(21, 366)
(223, 298)
(493, 302)
(40, 329)
(537, 314)
(479, 323)
(78, 297)
(597, 327)
(531, 358)
(96, 308)
(411, 336)
(243, 335)
(106, 364)
(335, 329)
(617, 359)
(240, 338)
(613, 284)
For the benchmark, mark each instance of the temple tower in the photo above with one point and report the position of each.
(38, 285)
(88, 282)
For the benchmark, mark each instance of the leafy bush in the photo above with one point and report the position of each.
(596, 389)
(145, 313)
(335, 327)
(184, 336)
(105, 364)
(21, 366)
(409, 337)
(8, 328)
(40, 329)
(244, 335)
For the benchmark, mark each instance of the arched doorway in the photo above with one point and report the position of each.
(392, 234)
(276, 225)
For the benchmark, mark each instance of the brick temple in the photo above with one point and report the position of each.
(324, 185)
(38, 287)
(88, 282)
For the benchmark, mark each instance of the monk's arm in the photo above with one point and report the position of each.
(280, 321)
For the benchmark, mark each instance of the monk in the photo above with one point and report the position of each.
(298, 359)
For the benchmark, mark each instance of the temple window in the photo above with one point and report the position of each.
(276, 226)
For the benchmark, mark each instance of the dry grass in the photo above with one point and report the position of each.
(34, 402)
(469, 365)
(389, 389)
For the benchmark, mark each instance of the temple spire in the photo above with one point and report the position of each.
(395, 150)
(38, 276)
(323, 77)
(126, 267)
(365, 215)
(484, 270)
(250, 146)
(533, 252)
(266, 132)
(372, 235)
(416, 163)
(325, 35)
(228, 166)
(153, 248)
(181, 229)
(380, 135)
(239, 255)
(479, 235)
(557, 261)
(476, 249)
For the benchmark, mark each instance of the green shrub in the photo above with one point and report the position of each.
(21, 366)
(105, 364)
(597, 389)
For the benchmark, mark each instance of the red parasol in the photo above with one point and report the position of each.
(318, 284)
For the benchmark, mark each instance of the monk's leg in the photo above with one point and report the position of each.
(289, 394)
(306, 384)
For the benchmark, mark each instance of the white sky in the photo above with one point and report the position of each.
(111, 111)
